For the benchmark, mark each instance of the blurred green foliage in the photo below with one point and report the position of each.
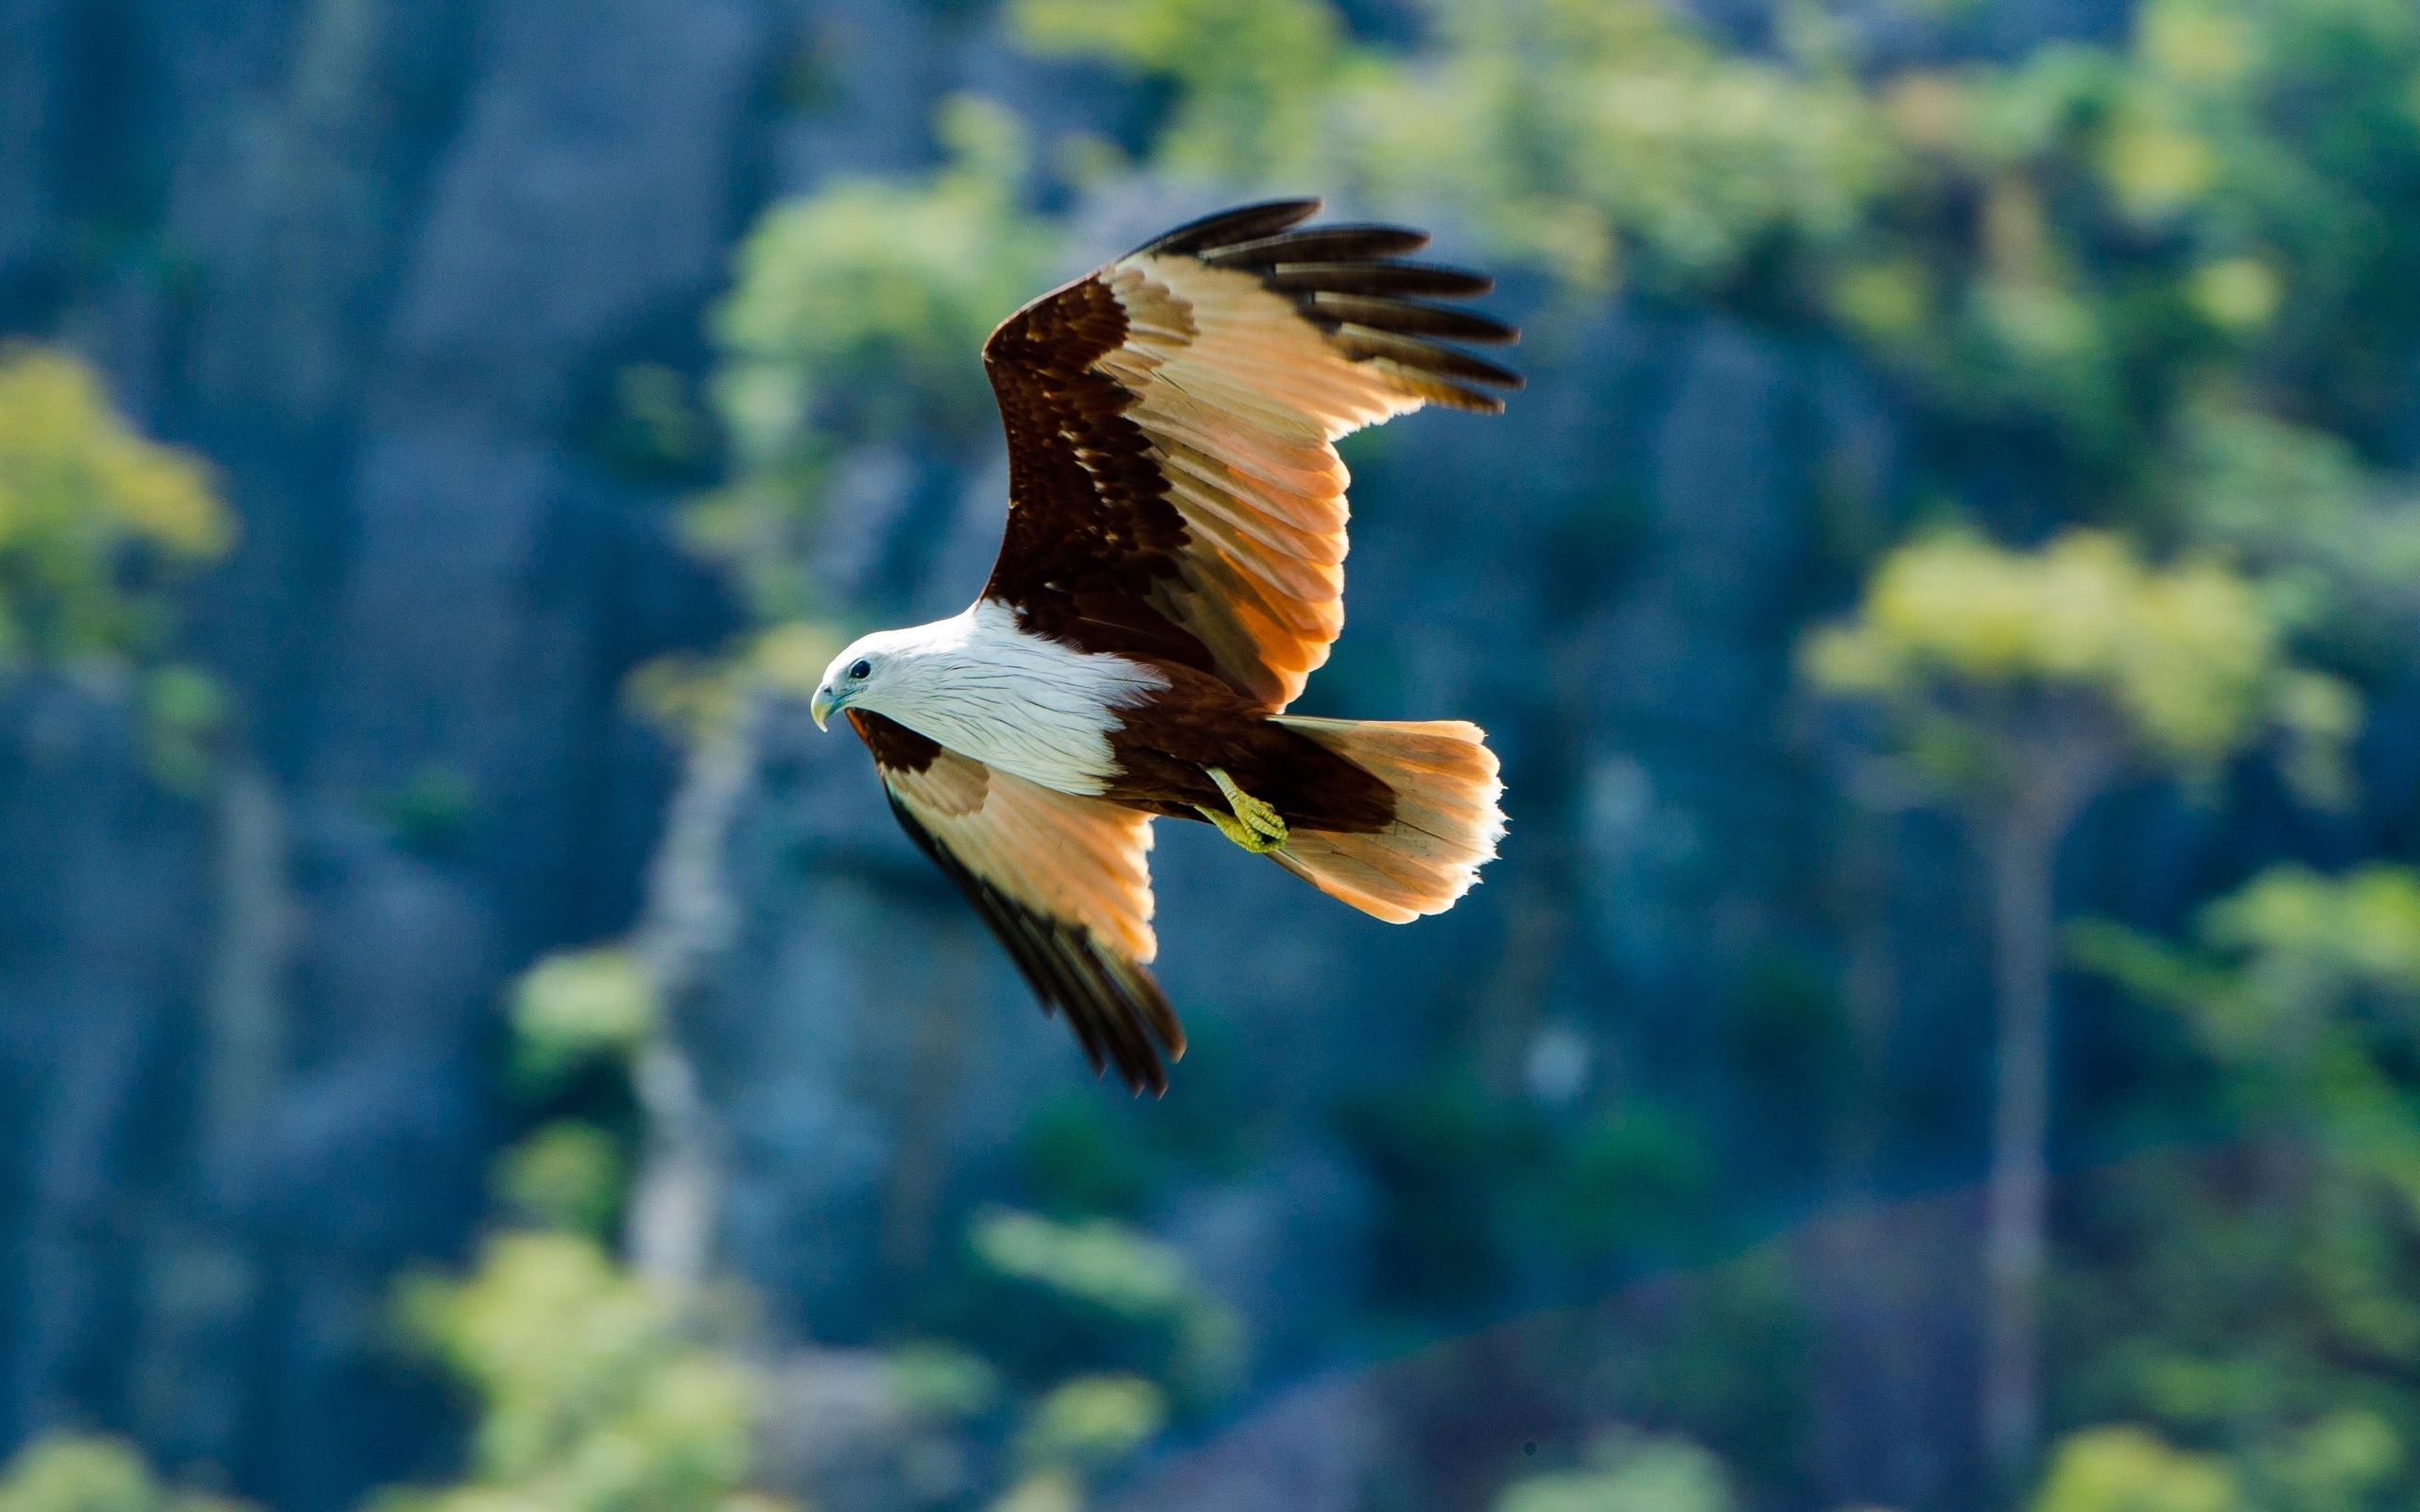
(1077, 1431)
(1628, 1473)
(1476, 1189)
(1100, 1291)
(860, 316)
(185, 717)
(576, 1008)
(73, 1472)
(593, 1389)
(1972, 646)
(97, 524)
(596, 1391)
(1592, 139)
(2127, 1469)
(596, 1388)
(429, 812)
(1104, 1263)
(1247, 75)
(2264, 1305)
(91, 516)
(943, 1381)
(568, 1174)
(1079, 1160)
(1093, 1420)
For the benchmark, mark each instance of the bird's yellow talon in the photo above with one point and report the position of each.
(1254, 825)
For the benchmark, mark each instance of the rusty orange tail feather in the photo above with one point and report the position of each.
(1445, 826)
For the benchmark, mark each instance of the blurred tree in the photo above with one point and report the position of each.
(860, 318)
(2106, 270)
(1247, 75)
(2015, 687)
(596, 1388)
(2265, 1303)
(603, 1383)
(1591, 140)
(597, 1393)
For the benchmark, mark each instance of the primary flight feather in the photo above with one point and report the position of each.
(1172, 573)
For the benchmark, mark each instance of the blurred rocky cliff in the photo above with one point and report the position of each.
(393, 267)
(379, 262)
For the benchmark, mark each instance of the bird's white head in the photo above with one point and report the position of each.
(880, 672)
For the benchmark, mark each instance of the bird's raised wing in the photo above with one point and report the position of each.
(1065, 882)
(1173, 483)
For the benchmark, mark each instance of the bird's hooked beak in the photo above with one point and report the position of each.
(825, 701)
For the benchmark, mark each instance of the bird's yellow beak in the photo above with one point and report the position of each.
(822, 706)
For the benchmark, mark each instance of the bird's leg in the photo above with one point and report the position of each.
(1254, 825)
(1234, 830)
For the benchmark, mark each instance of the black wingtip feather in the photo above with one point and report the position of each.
(1113, 1005)
(1320, 244)
(1384, 278)
(1410, 318)
(1360, 341)
(1245, 223)
(1351, 281)
(1471, 400)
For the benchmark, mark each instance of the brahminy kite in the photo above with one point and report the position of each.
(1172, 573)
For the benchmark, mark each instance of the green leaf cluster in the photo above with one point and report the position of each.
(1107, 1269)
(2129, 1469)
(91, 514)
(2265, 1305)
(857, 318)
(1968, 642)
(596, 1392)
(1248, 75)
(575, 1008)
(78, 1472)
(1628, 1472)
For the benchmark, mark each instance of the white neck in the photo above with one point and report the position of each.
(1030, 706)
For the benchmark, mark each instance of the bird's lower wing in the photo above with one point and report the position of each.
(1064, 882)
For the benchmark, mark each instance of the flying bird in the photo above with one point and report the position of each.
(1172, 573)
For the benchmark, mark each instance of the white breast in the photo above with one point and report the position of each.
(1026, 705)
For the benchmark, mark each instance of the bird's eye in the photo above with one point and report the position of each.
(861, 671)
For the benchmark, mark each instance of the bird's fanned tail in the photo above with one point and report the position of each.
(1445, 826)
